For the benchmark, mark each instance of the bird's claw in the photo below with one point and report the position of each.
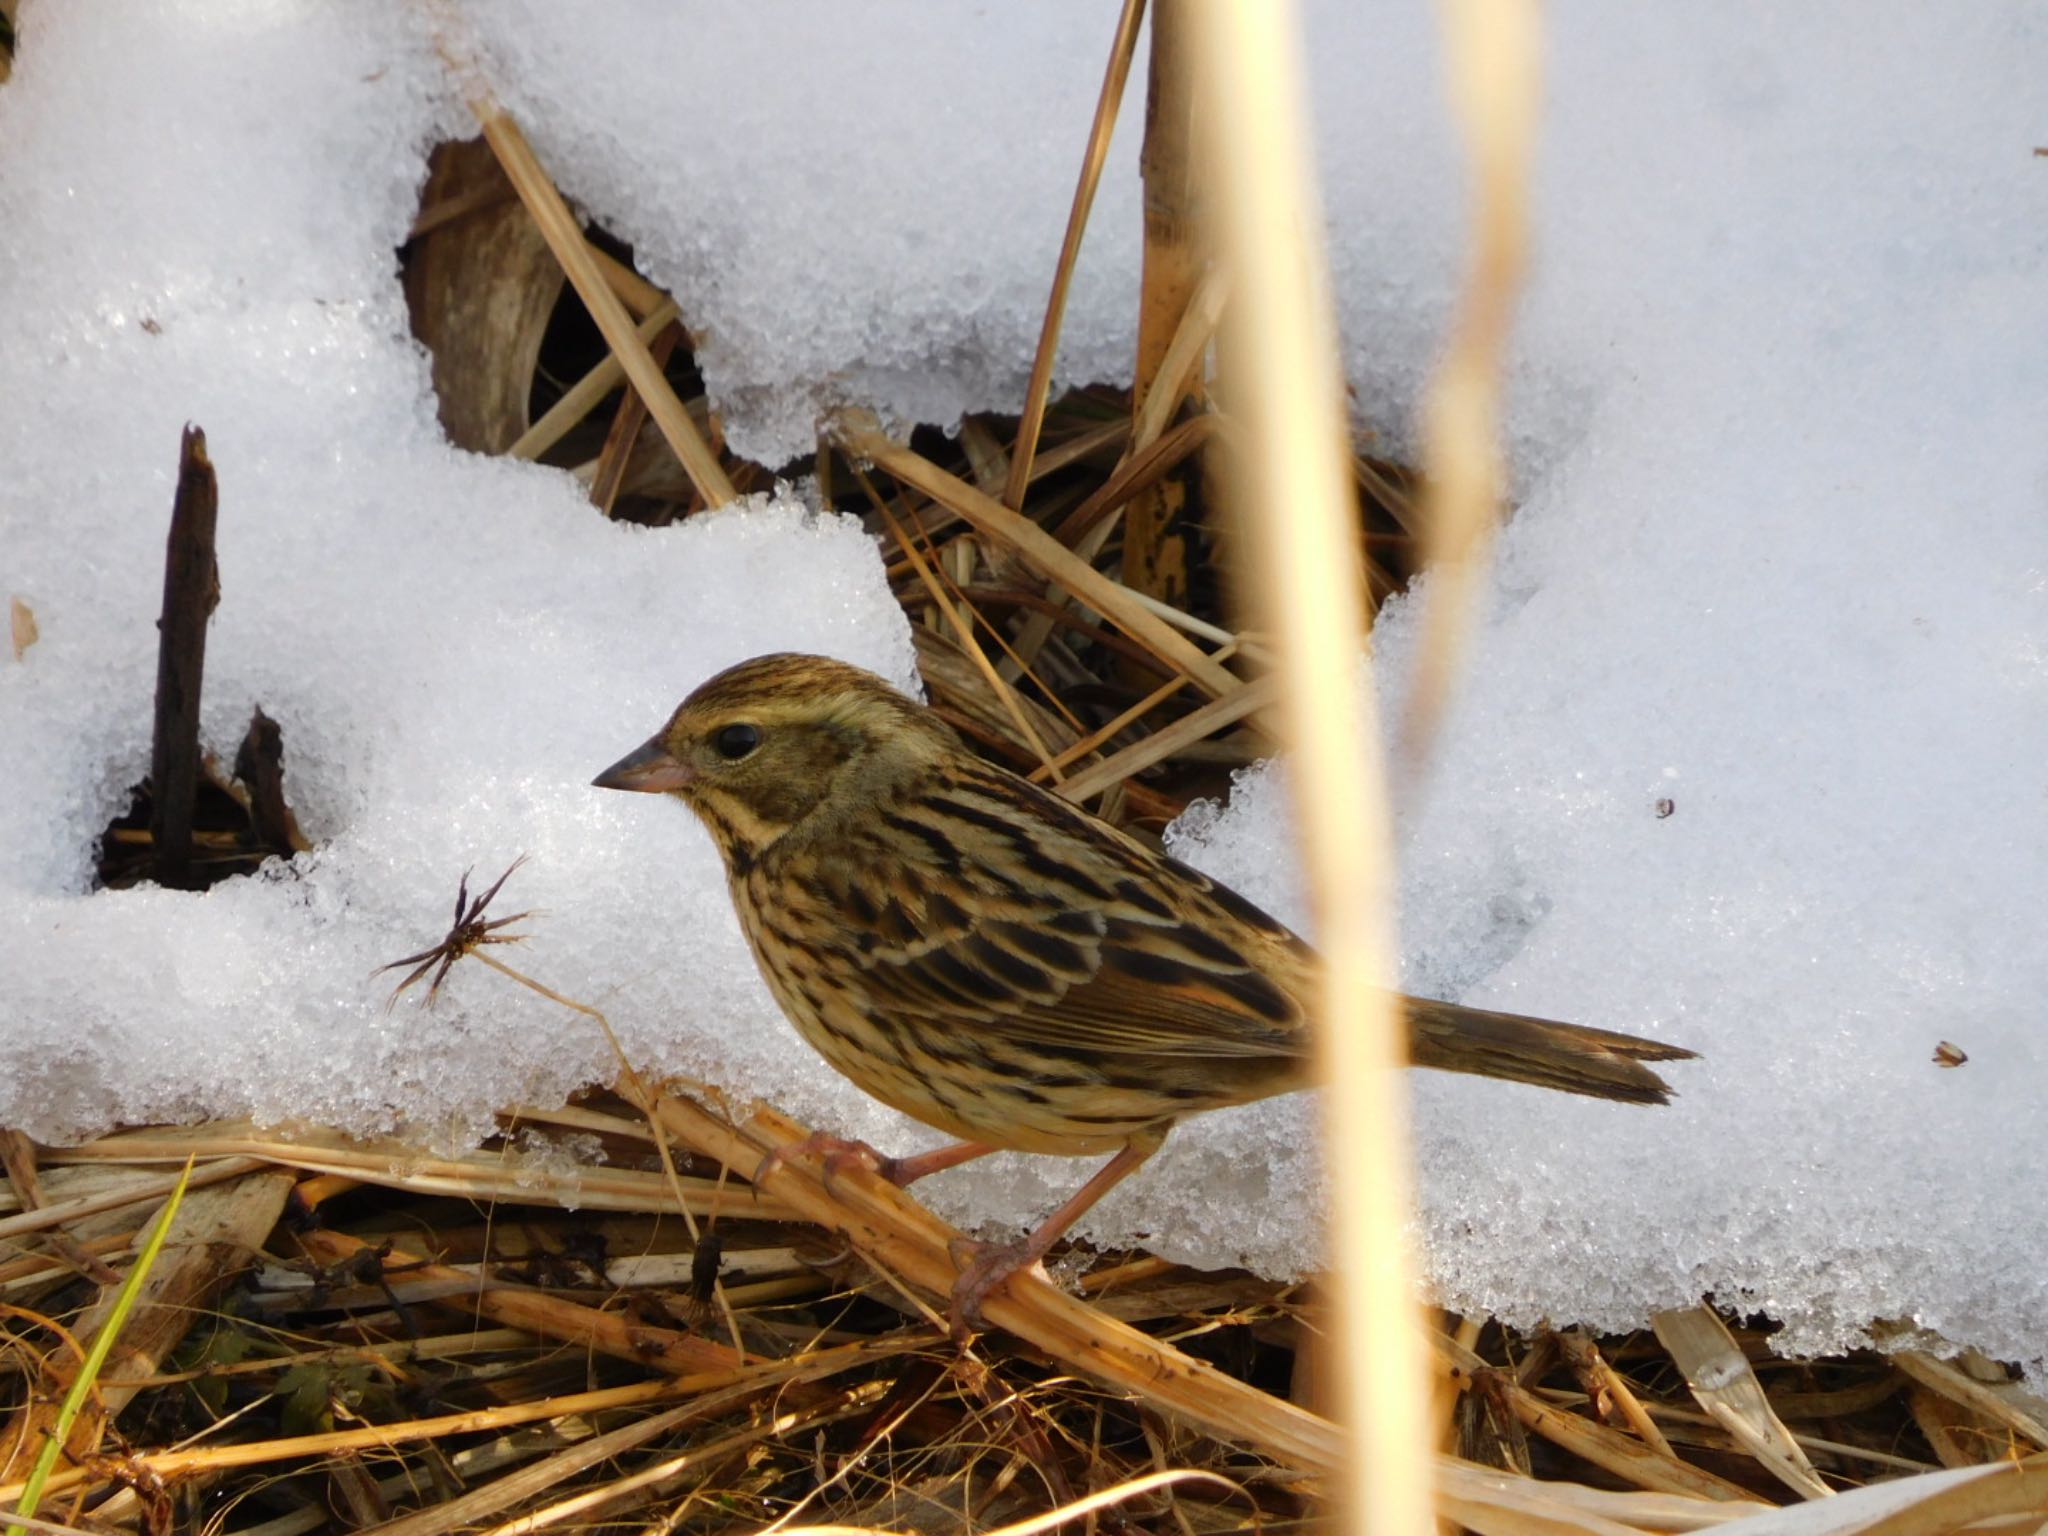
(984, 1269)
(835, 1151)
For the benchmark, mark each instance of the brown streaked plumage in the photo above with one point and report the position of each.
(993, 960)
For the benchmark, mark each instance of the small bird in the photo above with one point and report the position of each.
(996, 962)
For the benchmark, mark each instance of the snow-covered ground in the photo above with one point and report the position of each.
(1780, 560)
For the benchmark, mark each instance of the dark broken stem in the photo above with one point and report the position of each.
(260, 765)
(191, 593)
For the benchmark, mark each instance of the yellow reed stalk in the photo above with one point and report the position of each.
(1491, 51)
(1295, 496)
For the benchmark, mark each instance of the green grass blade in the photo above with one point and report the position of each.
(96, 1357)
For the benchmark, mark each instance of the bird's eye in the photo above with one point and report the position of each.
(734, 742)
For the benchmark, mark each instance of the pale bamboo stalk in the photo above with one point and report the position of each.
(565, 238)
(1296, 496)
(1491, 51)
(1155, 549)
(1107, 101)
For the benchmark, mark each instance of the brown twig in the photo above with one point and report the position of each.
(191, 593)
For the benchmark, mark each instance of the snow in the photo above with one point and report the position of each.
(1779, 557)
(453, 645)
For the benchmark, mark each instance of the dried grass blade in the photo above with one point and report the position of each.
(1103, 733)
(1725, 1385)
(624, 434)
(1600, 1378)
(1133, 473)
(1109, 598)
(906, 1240)
(565, 238)
(1080, 446)
(582, 397)
(96, 1356)
(395, 1165)
(530, 1481)
(1620, 1454)
(1960, 1438)
(944, 601)
(1503, 1504)
(911, 1244)
(1932, 1504)
(1183, 356)
(1164, 742)
(634, 291)
(1118, 70)
(1978, 1397)
(809, 1367)
(593, 1502)
(541, 1312)
(65, 1212)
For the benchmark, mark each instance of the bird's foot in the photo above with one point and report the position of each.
(984, 1269)
(836, 1152)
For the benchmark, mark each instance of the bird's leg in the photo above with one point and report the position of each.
(986, 1267)
(838, 1151)
(904, 1171)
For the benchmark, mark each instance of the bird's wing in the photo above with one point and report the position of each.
(1022, 916)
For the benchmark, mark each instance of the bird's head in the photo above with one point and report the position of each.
(767, 744)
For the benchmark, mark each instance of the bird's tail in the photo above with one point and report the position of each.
(1568, 1057)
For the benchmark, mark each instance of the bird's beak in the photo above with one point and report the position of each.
(650, 768)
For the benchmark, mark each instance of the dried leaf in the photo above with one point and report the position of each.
(1723, 1381)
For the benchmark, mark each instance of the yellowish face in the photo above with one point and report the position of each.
(761, 747)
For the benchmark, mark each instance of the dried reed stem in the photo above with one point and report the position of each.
(1155, 552)
(1106, 103)
(1169, 739)
(1295, 492)
(1012, 529)
(582, 397)
(565, 238)
(1492, 50)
